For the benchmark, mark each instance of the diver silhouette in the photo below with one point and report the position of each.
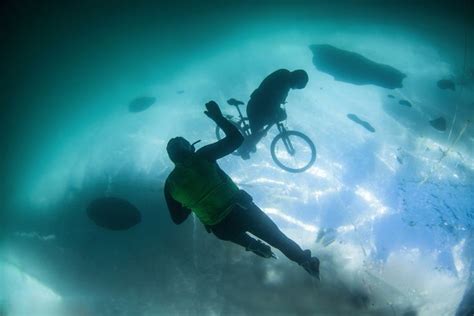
(197, 184)
(264, 106)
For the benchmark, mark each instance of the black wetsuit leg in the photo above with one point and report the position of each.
(252, 219)
(260, 225)
(262, 115)
(256, 115)
(233, 228)
(257, 124)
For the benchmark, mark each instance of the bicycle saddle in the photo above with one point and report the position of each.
(234, 102)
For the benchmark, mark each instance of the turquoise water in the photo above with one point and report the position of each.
(395, 205)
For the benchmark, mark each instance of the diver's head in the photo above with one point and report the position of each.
(299, 79)
(179, 149)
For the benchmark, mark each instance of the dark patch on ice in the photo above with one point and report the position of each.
(180, 91)
(400, 155)
(113, 213)
(446, 84)
(439, 124)
(354, 68)
(363, 123)
(405, 103)
(391, 96)
(141, 104)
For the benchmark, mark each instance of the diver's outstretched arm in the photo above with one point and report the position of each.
(178, 212)
(232, 140)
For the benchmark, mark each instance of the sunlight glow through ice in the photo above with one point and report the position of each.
(128, 143)
(292, 220)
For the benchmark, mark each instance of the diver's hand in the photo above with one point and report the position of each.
(213, 110)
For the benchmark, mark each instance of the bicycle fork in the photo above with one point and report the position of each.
(286, 140)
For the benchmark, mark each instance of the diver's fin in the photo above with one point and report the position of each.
(312, 267)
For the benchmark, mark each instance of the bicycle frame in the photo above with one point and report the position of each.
(242, 119)
(284, 136)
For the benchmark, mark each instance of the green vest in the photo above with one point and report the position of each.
(201, 186)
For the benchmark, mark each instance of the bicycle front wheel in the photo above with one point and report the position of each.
(293, 151)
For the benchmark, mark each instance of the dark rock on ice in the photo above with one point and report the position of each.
(405, 103)
(391, 96)
(354, 68)
(439, 124)
(113, 213)
(446, 84)
(363, 123)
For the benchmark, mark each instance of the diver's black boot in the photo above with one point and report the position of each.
(312, 266)
(247, 147)
(260, 249)
(244, 154)
(244, 151)
(253, 148)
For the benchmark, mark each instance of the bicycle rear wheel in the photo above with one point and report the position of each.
(293, 151)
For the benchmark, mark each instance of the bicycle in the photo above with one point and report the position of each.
(292, 151)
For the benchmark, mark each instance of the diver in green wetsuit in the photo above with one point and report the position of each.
(197, 184)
